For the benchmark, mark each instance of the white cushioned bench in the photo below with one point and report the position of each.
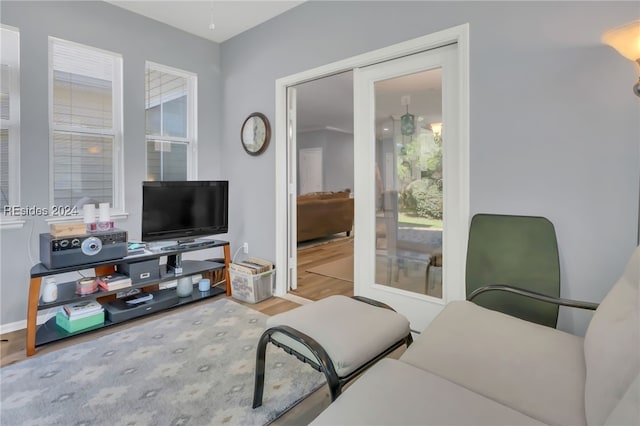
(338, 335)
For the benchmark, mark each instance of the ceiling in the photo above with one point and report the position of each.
(326, 103)
(231, 17)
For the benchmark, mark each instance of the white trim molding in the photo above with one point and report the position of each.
(458, 34)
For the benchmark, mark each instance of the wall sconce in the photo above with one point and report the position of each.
(436, 129)
(626, 40)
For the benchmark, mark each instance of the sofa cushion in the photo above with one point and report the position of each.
(628, 409)
(395, 393)
(534, 369)
(612, 345)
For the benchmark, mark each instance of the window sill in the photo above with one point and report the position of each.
(11, 223)
(64, 219)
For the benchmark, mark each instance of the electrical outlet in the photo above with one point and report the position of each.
(245, 248)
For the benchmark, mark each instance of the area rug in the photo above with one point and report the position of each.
(194, 367)
(341, 269)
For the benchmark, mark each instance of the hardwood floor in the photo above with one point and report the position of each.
(314, 286)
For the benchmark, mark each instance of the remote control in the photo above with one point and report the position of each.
(140, 300)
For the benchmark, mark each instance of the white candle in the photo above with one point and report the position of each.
(104, 212)
(89, 213)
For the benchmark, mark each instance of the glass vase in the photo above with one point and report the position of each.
(185, 287)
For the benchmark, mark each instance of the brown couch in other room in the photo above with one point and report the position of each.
(324, 213)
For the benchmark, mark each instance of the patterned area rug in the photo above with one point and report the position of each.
(194, 367)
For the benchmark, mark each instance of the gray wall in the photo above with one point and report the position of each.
(138, 39)
(337, 157)
(554, 124)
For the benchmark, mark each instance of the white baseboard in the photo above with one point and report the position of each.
(22, 324)
(296, 299)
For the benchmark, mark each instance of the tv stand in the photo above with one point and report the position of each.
(49, 332)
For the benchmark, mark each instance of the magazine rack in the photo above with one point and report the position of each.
(49, 332)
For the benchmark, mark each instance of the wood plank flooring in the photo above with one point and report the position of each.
(314, 286)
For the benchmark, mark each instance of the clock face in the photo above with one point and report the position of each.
(255, 133)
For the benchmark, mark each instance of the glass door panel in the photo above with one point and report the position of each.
(409, 182)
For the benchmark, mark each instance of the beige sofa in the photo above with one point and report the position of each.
(474, 366)
(324, 213)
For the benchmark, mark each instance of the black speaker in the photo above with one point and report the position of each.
(62, 252)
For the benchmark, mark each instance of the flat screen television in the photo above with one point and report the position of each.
(184, 210)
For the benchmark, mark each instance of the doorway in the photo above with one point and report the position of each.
(456, 223)
(323, 144)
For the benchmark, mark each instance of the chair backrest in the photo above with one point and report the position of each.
(612, 353)
(521, 251)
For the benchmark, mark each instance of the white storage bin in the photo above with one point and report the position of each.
(251, 288)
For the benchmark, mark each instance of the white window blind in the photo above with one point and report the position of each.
(9, 117)
(170, 123)
(86, 122)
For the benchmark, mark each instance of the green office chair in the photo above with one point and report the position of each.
(511, 262)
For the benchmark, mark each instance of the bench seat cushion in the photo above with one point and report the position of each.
(537, 370)
(395, 393)
(350, 331)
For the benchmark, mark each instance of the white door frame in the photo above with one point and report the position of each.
(419, 308)
(286, 185)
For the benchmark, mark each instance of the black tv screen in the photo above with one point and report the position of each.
(183, 210)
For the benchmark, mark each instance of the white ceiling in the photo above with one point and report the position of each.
(326, 103)
(231, 17)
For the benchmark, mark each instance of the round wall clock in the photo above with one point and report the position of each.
(255, 133)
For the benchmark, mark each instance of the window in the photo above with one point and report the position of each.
(170, 102)
(86, 125)
(9, 117)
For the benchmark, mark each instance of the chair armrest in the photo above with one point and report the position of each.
(534, 295)
(372, 302)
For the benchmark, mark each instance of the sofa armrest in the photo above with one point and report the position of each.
(534, 295)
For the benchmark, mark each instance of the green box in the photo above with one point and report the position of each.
(79, 324)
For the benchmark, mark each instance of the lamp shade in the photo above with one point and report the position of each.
(625, 39)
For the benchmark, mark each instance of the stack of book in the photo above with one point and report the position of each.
(114, 281)
(80, 315)
(135, 247)
(251, 265)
